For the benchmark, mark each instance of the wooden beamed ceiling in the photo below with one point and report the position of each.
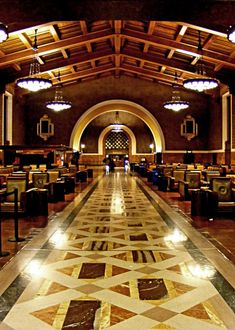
(152, 50)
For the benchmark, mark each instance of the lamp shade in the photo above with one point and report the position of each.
(176, 104)
(34, 84)
(3, 32)
(231, 34)
(200, 84)
(58, 104)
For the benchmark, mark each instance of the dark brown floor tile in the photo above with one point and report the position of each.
(151, 289)
(81, 315)
(140, 237)
(92, 270)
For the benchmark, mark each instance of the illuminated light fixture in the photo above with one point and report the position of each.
(231, 34)
(117, 126)
(82, 147)
(34, 82)
(3, 32)
(151, 146)
(176, 104)
(201, 82)
(58, 104)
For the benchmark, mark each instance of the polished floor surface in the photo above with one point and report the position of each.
(118, 257)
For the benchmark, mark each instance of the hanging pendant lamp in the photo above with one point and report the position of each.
(3, 32)
(117, 126)
(231, 34)
(176, 104)
(34, 82)
(201, 82)
(58, 104)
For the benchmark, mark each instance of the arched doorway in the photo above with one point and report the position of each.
(116, 146)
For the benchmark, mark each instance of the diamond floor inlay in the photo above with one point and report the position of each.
(118, 259)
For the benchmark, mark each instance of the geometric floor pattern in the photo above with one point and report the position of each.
(118, 265)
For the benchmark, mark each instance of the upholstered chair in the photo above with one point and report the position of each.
(191, 182)
(40, 180)
(8, 202)
(208, 175)
(174, 180)
(224, 191)
(42, 167)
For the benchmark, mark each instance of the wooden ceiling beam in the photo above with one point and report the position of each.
(63, 64)
(136, 36)
(149, 73)
(56, 37)
(163, 43)
(178, 38)
(56, 46)
(86, 73)
(152, 59)
(28, 44)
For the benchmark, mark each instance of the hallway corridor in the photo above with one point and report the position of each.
(118, 257)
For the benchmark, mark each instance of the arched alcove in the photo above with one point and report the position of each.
(118, 105)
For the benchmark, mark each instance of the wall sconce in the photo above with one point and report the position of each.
(82, 147)
(151, 146)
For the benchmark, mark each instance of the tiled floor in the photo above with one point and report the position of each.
(118, 257)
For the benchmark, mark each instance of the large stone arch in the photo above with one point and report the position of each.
(117, 105)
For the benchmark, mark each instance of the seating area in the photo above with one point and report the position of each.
(37, 186)
(209, 189)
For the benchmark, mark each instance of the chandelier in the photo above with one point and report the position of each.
(3, 32)
(58, 104)
(231, 34)
(176, 104)
(201, 82)
(117, 127)
(34, 82)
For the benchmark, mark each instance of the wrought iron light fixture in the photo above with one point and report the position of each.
(117, 126)
(3, 32)
(201, 82)
(231, 34)
(176, 104)
(58, 104)
(34, 82)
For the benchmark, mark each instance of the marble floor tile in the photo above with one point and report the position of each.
(119, 257)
